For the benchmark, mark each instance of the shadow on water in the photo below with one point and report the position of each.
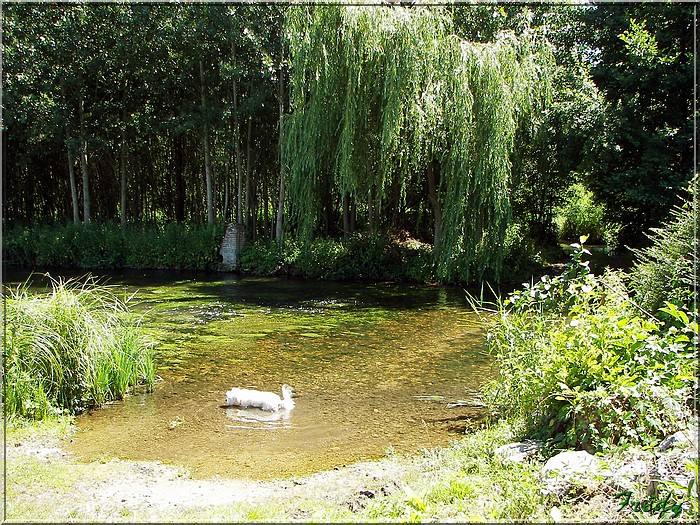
(373, 365)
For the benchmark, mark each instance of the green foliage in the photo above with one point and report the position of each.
(360, 256)
(584, 367)
(378, 95)
(521, 254)
(580, 215)
(262, 258)
(107, 246)
(665, 271)
(70, 350)
(645, 71)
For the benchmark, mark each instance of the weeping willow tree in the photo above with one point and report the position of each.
(386, 98)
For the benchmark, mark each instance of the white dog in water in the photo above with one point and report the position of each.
(244, 398)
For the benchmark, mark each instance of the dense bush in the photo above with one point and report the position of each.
(262, 258)
(583, 367)
(70, 349)
(360, 256)
(108, 246)
(665, 270)
(580, 214)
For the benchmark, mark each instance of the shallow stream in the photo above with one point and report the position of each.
(363, 359)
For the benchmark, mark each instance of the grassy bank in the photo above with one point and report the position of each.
(70, 349)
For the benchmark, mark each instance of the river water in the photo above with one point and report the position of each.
(364, 360)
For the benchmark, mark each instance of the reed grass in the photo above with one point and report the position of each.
(71, 349)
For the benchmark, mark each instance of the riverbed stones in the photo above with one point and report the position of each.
(519, 452)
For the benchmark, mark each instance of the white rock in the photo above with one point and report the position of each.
(572, 465)
(629, 474)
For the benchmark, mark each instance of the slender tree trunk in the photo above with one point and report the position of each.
(280, 210)
(122, 161)
(73, 186)
(353, 215)
(248, 172)
(266, 206)
(71, 179)
(239, 176)
(84, 162)
(237, 143)
(208, 176)
(437, 209)
(207, 157)
(122, 181)
(227, 190)
(346, 214)
(179, 145)
(280, 198)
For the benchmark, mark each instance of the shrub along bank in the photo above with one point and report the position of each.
(107, 246)
(584, 366)
(360, 256)
(371, 256)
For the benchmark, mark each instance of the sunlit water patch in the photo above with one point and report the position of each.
(373, 366)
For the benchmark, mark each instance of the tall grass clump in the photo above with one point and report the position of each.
(583, 366)
(71, 349)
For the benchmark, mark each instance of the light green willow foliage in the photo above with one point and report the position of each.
(379, 93)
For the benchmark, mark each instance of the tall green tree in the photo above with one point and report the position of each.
(643, 63)
(388, 98)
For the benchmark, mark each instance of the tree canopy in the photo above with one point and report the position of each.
(457, 124)
(385, 99)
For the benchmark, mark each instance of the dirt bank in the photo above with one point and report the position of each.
(116, 490)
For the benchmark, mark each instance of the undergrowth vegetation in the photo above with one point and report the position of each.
(666, 270)
(70, 349)
(584, 366)
(580, 214)
(107, 246)
(373, 256)
(396, 256)
(360, 256)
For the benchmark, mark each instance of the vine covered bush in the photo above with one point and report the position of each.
(583, 366)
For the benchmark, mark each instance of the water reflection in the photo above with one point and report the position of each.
(256, 419)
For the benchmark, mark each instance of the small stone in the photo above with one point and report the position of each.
(680, 438)
(518, 452)
(555, 513)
